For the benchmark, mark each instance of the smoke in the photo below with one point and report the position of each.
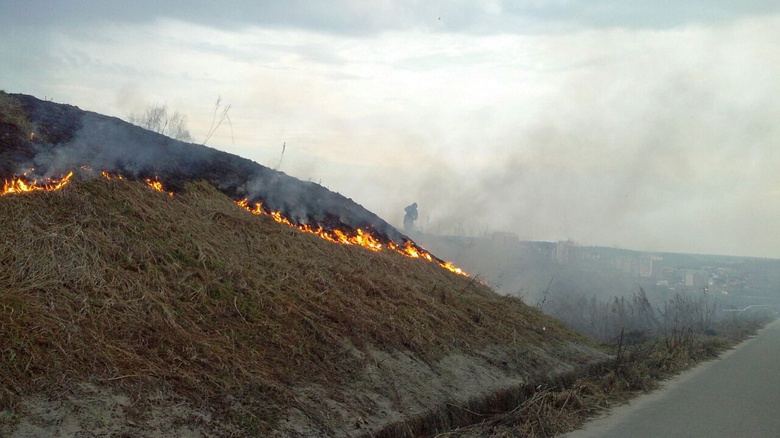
(110, 144)
(656, 152)
(648, 139)
(116, 147)
(130, 99)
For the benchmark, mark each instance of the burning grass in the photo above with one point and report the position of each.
(108, 281)
(24, 185)
(359, 237)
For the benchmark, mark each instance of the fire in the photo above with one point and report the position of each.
(412, 251)
(449, 266)
(24, 185)
(359, 237)
(110, 176)
(156, 185)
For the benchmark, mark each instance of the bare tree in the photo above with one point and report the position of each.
(156, 118)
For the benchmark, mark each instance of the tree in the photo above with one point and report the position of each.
(157, 119)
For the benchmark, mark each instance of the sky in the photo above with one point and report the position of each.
(643, 125)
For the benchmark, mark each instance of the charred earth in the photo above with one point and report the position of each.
(54, 139)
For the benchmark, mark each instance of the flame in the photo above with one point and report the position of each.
(24, 185)
(449, 266)
(359, 237)
(156, 185)
(410, 250)
(110, 176)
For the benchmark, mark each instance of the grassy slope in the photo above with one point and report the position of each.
(111, 282)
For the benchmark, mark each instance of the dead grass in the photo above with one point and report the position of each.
(112, 282)
(552, 407)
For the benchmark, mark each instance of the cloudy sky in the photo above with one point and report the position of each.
(643, 125)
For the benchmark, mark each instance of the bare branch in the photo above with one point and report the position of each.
(155, 118)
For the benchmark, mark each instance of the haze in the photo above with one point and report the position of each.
(650, 126)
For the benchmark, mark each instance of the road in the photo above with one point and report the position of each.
(736, 395)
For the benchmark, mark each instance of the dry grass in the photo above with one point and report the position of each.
(113, 282)
(562, 404)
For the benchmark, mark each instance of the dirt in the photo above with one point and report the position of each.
(92, 410)
(392, 388)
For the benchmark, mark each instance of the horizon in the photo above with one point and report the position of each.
(580, 245)
(611, 124)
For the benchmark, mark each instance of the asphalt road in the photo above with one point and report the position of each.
(736, 395)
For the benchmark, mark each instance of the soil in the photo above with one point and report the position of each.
(395, 387)
(92, 410)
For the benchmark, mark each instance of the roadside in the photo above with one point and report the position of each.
(565, 403)
(736, 395)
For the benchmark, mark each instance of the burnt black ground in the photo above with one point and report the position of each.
(68, 137)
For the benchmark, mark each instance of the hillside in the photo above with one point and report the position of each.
(46, 139)
(128, 311)
(138, 302)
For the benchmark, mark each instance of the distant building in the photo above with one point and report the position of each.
(690, 279)
(695, 279)
(648, 266)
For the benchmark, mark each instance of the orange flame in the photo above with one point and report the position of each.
(23, 185)
(156, 185)
(110, 176)
(360, 237)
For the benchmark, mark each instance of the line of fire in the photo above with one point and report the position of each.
(365, 238)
